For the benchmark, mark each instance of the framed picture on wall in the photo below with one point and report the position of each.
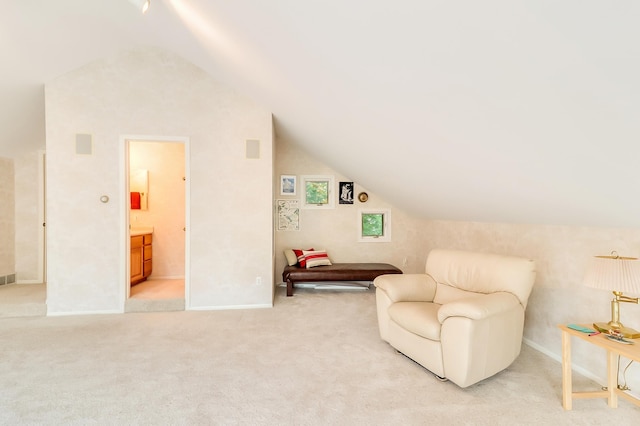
(318, 192)
(288, 215)
(288, 185)
(346, 193)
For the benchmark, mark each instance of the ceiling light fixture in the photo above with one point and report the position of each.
(142, 5)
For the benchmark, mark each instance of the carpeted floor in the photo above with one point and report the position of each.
(314, 359)
(23, 300)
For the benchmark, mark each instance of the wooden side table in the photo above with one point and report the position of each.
(613, 350)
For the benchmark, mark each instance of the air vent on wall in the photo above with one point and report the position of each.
(253, 149)
(84, 144)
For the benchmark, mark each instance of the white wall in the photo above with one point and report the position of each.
(7, 217)
(152, 92)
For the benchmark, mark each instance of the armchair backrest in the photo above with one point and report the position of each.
(458, 272)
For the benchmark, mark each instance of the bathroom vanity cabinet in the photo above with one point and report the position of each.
(141, 257)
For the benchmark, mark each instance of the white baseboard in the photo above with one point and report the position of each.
(228, 307)
(332, 285)
(558, 358)
(70, 313)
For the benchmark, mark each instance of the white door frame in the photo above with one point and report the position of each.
(41, 260)
(125, 200)
(42, 217)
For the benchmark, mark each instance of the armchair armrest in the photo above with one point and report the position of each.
(407, 287)
(478, 307)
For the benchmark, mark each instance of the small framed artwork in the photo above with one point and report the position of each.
(288, 215)
(346, 193)
(288, 185)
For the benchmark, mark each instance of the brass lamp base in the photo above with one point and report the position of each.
(626, 332)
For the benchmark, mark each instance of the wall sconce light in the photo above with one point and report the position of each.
(618, 274)
(142, 5)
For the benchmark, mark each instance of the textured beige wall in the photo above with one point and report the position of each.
(152, 92)
(166, 208)
(558, 297)
(7, 217)
(336, 229)
(28, 179)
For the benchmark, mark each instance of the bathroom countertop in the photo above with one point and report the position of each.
(141, 231)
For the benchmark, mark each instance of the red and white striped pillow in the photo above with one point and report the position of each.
(312, 258)
(300, 256)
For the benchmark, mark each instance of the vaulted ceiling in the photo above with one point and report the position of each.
(522, 111)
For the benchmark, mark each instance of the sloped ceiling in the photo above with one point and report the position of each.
(499, 111)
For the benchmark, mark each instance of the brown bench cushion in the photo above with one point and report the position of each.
(336, 272)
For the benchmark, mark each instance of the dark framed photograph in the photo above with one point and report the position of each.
(346, 193)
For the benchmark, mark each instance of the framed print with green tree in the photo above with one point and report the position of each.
(318, 192)
(374, 226)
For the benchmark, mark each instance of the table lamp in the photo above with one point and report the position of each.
(619, 274)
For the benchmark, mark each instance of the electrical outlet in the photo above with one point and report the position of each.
(258, 280)
(405, 262)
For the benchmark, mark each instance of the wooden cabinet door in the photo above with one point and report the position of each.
(147, 256)
(137, 260)
(136, 265)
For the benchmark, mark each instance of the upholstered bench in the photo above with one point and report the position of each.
(336, 272)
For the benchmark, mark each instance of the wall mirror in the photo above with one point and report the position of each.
(139, 189)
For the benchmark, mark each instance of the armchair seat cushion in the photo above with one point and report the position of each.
(417, 317)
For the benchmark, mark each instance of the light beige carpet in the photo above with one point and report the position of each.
(314, 359)
(22, 300)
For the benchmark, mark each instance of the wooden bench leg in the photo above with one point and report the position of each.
(289, 288)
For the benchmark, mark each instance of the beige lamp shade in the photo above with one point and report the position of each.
(614, 273)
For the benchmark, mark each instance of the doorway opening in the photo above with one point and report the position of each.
(155, 176)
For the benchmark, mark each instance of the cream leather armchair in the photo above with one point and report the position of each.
(463, 318)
